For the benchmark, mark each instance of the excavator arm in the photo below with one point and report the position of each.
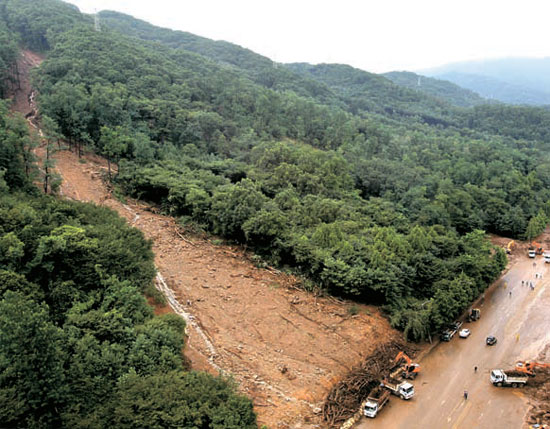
(529, 367)
(410, 368)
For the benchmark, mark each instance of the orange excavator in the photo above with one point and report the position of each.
(405, 367)
(535, 249)
(528, 367)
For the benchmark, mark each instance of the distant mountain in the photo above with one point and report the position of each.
(442, 89)
(364, 91)
(511, 80)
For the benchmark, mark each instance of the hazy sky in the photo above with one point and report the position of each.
(374, 35)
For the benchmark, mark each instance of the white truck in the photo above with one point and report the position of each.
(512, 378)
(546, 256)
(375, 401)
(403, 389)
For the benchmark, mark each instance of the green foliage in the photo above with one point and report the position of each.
(32, 355)
(14, 143)
(8, 58)
(176, 400)
(536, 225)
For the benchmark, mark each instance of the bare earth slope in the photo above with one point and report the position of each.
(283, 346)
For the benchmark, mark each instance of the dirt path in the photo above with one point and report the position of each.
(518, 316)
(284, 347)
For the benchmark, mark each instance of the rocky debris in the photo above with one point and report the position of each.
(538, 389)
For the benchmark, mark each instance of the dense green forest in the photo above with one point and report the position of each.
(372, 190)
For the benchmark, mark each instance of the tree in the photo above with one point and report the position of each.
(32, 382)
(113, 143)
(180, 400)
(51, 136)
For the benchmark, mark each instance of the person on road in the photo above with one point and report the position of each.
(510, 294)
(475, 368)
(465, 394)
(522, 282)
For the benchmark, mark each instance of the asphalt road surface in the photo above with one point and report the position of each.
(521, 323)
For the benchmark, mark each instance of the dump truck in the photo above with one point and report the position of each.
(450, 332)
(447, 334)
(403, 389)
(376, 400)
(510, 378)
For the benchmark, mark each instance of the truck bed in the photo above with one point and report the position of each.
(377, 393)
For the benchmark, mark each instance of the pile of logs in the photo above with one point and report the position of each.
(345, 398)
(539, 389)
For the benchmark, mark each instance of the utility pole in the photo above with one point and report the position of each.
(97, 25)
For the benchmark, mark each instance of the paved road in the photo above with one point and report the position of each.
(520, 321)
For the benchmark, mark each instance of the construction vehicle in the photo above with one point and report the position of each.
(403, 389)
(534, 249)
(510, 246)
(404, 367)
(375, 401)
(546, 256)
(475, 314)
(529, 367)
(450, 332)
(511, 378)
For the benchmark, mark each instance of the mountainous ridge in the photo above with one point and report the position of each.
(439, 88)
(510, 80)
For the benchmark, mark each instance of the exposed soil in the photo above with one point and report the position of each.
(284, 347)
(23, 98)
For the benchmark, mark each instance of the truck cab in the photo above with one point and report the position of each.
(406, 390)
(447, 334)
(497, 376)
(546, 256)
(370, 409)
(532, 253)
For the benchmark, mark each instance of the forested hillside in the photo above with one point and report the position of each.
(438, 88)
(372, 190)
(79, 344)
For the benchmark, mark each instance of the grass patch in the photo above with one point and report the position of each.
(353, 310)
(152, 292)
